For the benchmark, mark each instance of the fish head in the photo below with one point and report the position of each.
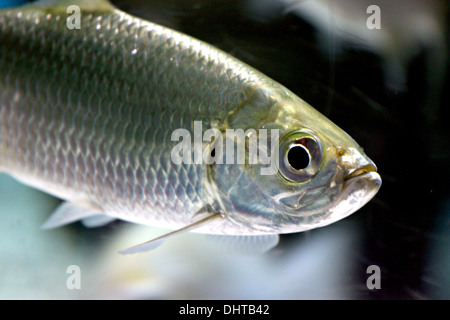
(317, 174)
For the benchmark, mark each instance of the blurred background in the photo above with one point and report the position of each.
(387, 88)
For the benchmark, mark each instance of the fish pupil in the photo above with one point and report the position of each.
(298, 157)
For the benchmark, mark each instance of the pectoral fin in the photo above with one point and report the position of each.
(152, 244)
(69, 212)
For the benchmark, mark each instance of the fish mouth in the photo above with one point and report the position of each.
(361, 171)
(360, 186)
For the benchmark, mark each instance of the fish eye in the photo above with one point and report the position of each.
(300, 156)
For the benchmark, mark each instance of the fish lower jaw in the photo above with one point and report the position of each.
(357, 191)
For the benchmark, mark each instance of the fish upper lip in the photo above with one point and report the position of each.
(361, 171)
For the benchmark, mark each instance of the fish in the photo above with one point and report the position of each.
(93, 105)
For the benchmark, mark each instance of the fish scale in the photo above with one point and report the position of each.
(108, 147)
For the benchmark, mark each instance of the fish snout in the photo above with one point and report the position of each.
(356, 163)
(361, 170)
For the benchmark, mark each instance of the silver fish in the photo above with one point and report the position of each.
(88, 114)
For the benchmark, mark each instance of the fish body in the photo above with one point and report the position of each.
(88, 115)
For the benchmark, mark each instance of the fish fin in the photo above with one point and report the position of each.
(98, 220)
(69, 212)
(89, 5)
(154, 243)
(248, 244)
